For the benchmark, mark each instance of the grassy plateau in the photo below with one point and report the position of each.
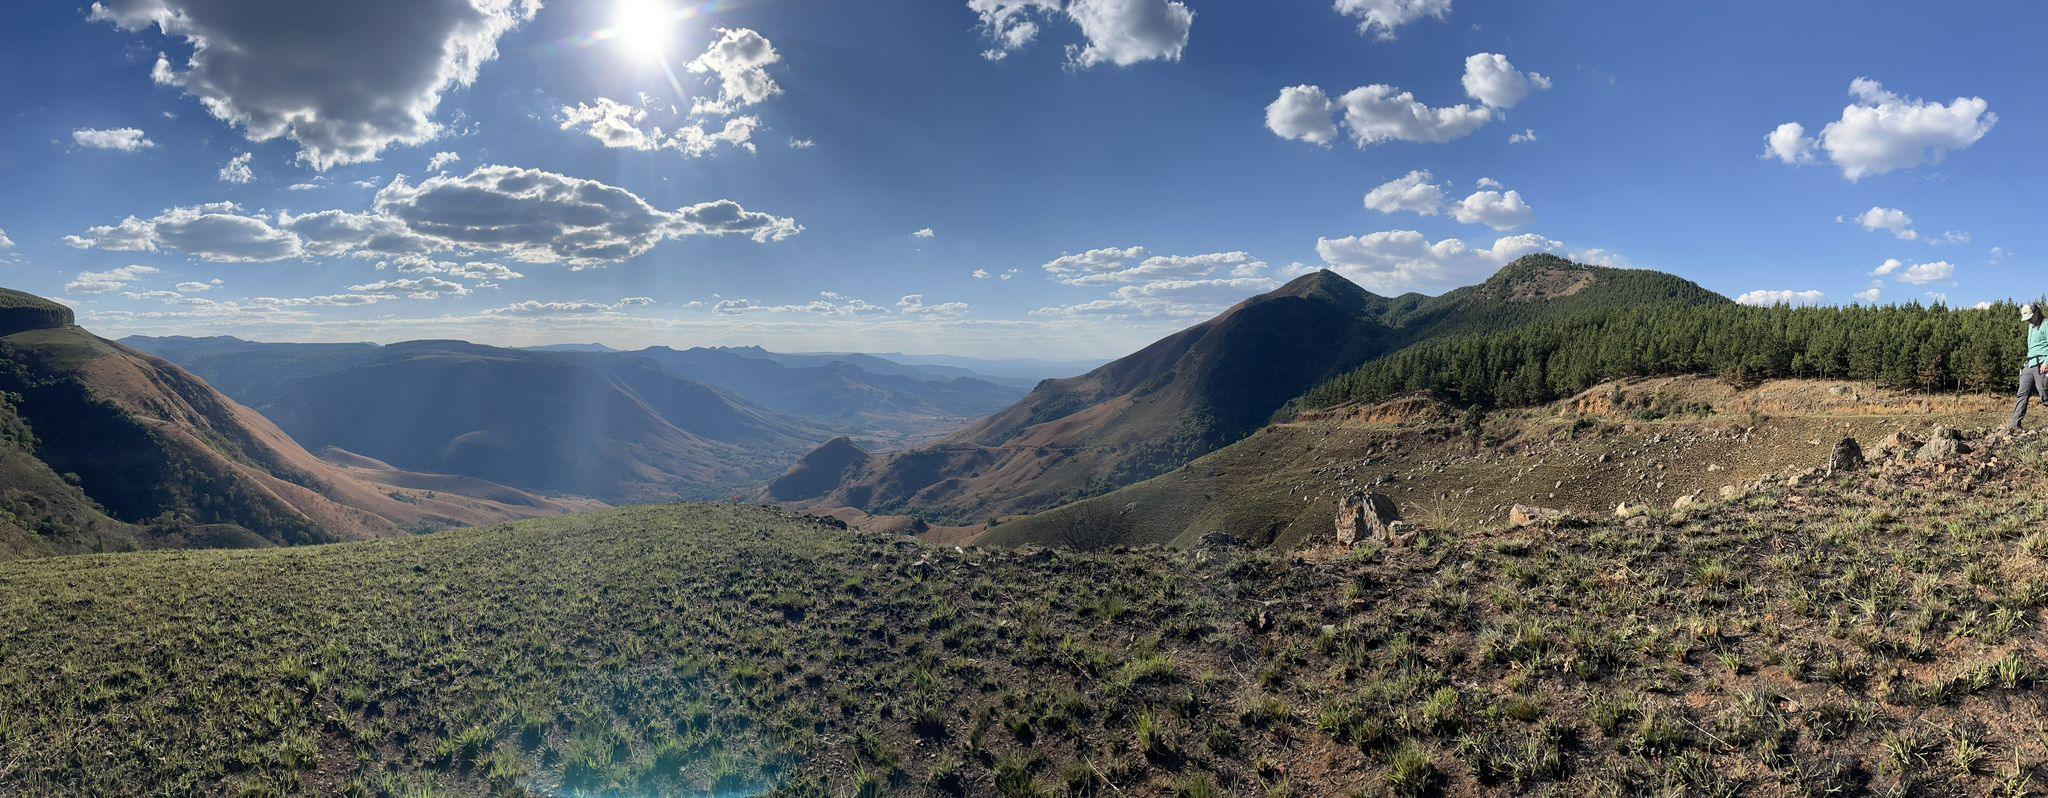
(1868, 633)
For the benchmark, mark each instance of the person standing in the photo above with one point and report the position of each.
(2034, 377)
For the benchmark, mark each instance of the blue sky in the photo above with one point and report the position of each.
(1115, 176)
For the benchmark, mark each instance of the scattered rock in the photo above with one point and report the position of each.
(1848, 457)
(1363, 516)
(1945, 444)
(1529, 515)
(1898, 446)
(1687, 502)
(1630, 510)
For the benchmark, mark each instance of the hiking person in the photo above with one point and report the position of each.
(2033, 377)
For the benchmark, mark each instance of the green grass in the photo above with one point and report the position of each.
(1773, 647)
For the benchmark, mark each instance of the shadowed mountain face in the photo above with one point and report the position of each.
(594, 425)
(1209, 385)
(103, 447)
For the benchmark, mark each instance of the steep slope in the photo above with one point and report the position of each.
(1212, 384)
(108, 448)
(598, 425)
(818, 471)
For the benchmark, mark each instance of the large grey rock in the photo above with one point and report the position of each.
(1365, 516)
(1848, 457)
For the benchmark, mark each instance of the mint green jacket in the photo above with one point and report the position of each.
(2037, 344)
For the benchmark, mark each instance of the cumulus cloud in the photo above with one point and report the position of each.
(622, 126)
(442, 160)
(801, 144)
(1881, 131)
(739, 58)
(344, 80)
(1925, 273)
(1887, 267)
(980, 274)
(924, 233)
(237, 170)
(832, 304)
(1526, 136)
(1415, 192)
(1119, 32)
(1381, 113)
(1395, 261)
(217, 231)
(195, 286)
(416, 287)
(1491, 80)
(5, 242)
(1379, 18)
(914, 304)
(1766, 299)
(124, 139)
(1789, 144)
(1498, 210)
(534, 307)
(530, 215)
(107, 281)
(483, 274)
(1871, 295)
(1891, 220)
(1173, 286)
(1302, 113)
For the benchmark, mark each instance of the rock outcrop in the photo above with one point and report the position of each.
(1365, 516)
(1848, 457)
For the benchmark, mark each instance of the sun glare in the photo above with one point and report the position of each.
(644, 26)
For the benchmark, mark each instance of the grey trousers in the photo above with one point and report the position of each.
(2032, 383)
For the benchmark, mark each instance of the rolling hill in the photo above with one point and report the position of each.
(106, 448)
(1210, 385)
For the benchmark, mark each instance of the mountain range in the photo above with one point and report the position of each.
(1205, 387)
(103, 447)
(655, 424)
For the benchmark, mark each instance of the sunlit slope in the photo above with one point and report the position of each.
(1794, 640)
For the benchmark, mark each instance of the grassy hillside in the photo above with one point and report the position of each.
(1865, 634)
(1214, 383)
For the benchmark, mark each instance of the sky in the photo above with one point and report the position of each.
(1001, 178)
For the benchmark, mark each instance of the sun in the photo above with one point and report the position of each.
(644, 26)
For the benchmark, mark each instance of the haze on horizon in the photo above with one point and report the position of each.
(993, 178)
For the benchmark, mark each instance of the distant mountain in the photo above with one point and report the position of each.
(887, 404)
(610, 426)
(1209, 385)
(589, 347)
(884, 405)
(1026, 369)
(103, 447)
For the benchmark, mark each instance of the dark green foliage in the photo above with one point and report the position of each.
(1909, 347)
(20, 311)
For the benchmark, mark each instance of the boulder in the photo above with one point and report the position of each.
(1848, 457)
(1943, 444)
(1899, 445)
(1365, 516)
(1528, 515)
(1630, 510)
(1687, 502)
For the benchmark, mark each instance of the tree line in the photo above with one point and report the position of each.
(1923, 348)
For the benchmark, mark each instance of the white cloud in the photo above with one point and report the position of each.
(801, 144)
(237, 170)
(1379, 113)
(1527, 135)
(739, 58)
(107, 281)
(1950, 237)
(1871, 295)
(316, 183)
(832, 305)
(530, 215)
(1415, 192)
(915, 304)
(1887, 267)
(1789, 143)
(217, 231)
(1119, 32)
(1602, 257)
(1891, 220)
(1490, 79)
(1395, 261)
(1925, 273)
(538, 216)
(1171, 286)
(1881, 132)
(345, 81)
(124, 139)
(195, 286)
(1488, 182)
(1302, 113)
(634, 302)
(1765, 299)
(442, 160)
(1379, 18)
(923, 233)
(5, 242)
(620, 126)
(1500, 211)
(483, 274)
(533, 307)
(416, 287)
(980, 274)
(1997, 254)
